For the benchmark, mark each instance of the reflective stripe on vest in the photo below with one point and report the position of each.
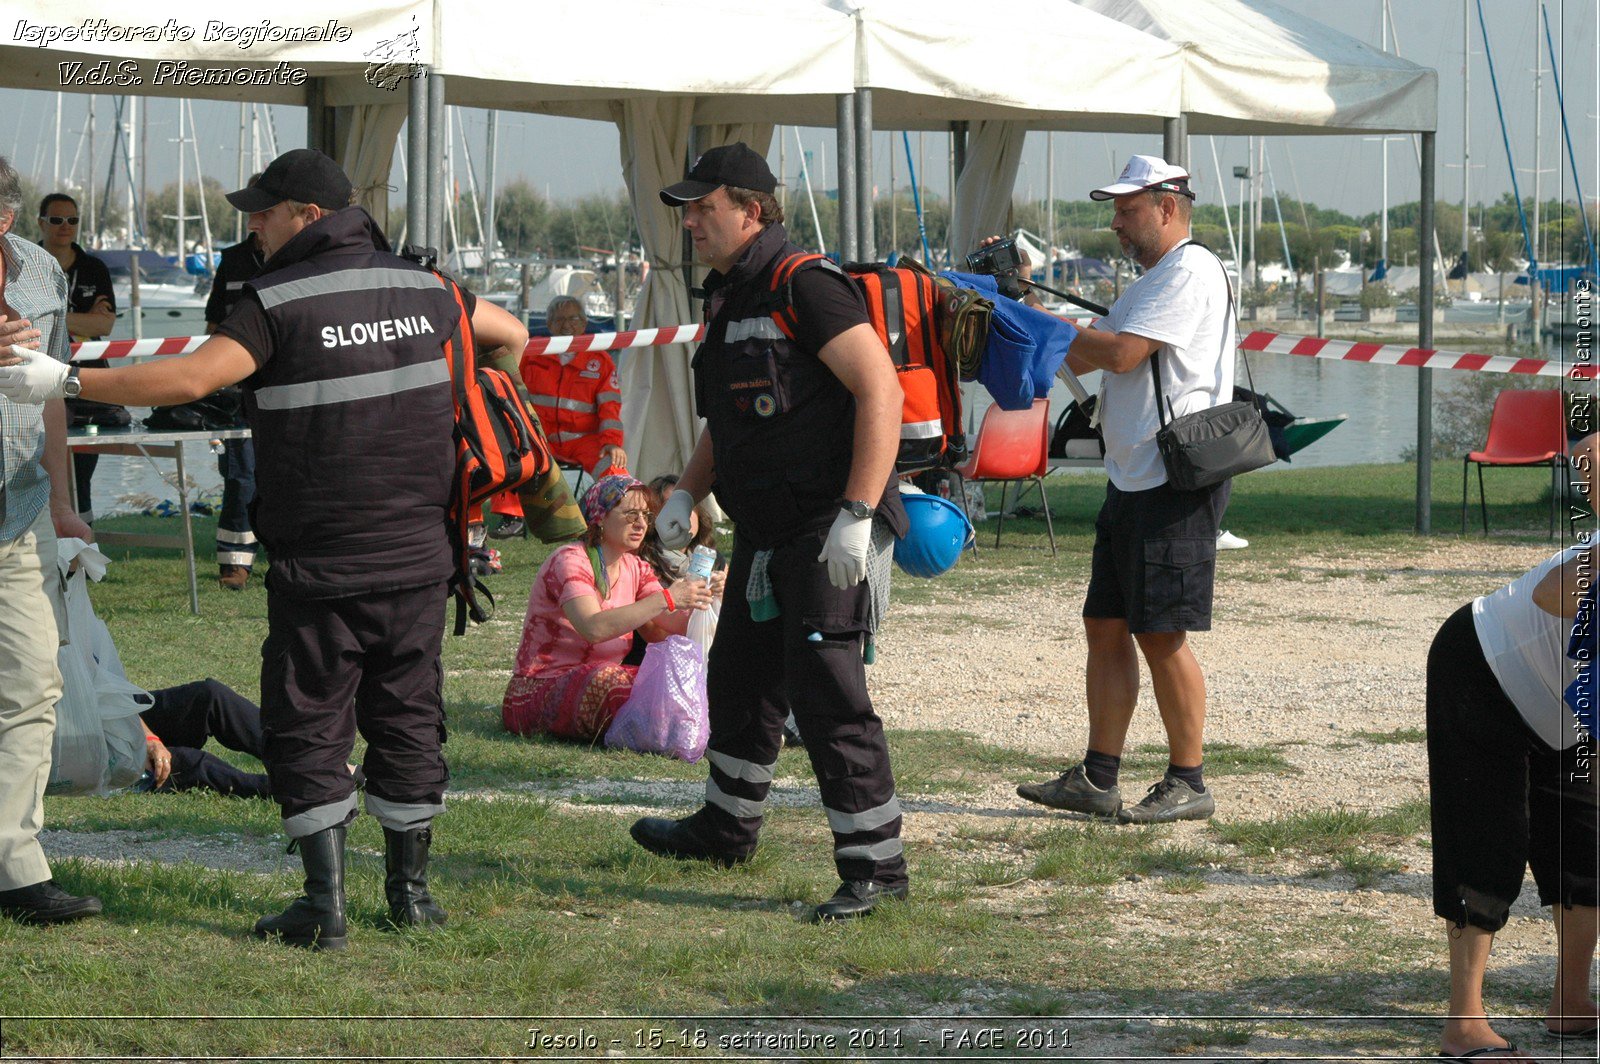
(752, 329)
(921, 430)
(359, 280)
(346, 389)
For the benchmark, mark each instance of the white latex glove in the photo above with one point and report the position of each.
(34, 379)
(846, 550)
(672, 523)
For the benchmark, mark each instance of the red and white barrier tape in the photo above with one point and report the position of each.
(169, 345)
(553, 345)
(1271, 343)
(667, 334)
(1419, 357)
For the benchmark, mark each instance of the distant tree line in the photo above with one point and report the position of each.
(531, 224)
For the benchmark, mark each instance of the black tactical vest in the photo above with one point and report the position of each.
(351, 415)
(782, 425)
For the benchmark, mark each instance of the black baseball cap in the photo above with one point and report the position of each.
(735, 165)
(304, 175)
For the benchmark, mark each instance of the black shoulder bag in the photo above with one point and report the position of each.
(1209, 446)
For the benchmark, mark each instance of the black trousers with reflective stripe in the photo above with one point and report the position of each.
(758, 671)
(368, 662)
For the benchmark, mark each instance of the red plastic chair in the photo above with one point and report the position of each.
(1014, 446)
(1527, 428)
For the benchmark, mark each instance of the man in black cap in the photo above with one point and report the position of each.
(802, 427)
(338, 344)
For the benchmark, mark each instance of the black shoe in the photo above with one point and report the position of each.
(856, 898)
(316, 919)
(509, 528)
(405, 882)
(678, 838)
(46, 903)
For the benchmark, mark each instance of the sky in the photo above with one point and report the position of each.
(569, 158)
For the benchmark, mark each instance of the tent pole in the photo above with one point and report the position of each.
(958, 163)
(435, 162)
(849, 247)
(1175, 140)
(1425, 340)
(866, 250)
(417, 158)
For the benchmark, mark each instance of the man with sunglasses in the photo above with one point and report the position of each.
(91, 315)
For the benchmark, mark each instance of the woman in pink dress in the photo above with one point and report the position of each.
(587, 600)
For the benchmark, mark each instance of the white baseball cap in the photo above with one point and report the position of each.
(1146, 172)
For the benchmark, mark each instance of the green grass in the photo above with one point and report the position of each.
(555, 911)
(1322, 833)
(1398, 735)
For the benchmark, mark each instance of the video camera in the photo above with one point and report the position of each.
(1002, 261)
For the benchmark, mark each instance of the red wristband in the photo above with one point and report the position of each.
(152, 739)
(671, 606)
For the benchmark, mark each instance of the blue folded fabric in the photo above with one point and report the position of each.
(1582, 647)
(1026, 346)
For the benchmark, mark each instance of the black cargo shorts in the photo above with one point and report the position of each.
(1155, 557)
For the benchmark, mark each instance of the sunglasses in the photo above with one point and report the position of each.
(56, 219)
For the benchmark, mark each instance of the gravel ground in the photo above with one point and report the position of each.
(1306, 655)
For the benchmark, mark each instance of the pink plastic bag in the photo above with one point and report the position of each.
(666, 713)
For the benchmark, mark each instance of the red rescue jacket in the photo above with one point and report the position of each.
(579, 404)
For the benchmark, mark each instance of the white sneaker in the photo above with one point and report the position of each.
(1228, 541)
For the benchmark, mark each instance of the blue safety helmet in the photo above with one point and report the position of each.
(938, 532)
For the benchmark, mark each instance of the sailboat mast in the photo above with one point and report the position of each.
(205, 214)
(88, 186)
(1466, 123)
(1538, 123)
(182, 234)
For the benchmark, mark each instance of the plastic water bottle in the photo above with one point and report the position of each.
(701, 559)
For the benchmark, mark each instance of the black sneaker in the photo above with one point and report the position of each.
(856, 898)
(509, 528)
(1170, 799)
(1072, 791)
(46, 903)
(679, 839)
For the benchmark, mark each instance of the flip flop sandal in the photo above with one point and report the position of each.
(1481, 1053)
(1568, 1036)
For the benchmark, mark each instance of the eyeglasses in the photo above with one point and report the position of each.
(630, 516)
(56, 219)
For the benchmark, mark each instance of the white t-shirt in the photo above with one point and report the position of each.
(1526, 649)
(1181, 303)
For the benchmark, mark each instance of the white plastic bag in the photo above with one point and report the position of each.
(703, 627)
(99, 742)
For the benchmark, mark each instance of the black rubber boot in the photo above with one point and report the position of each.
(316, 919)
(405, 881)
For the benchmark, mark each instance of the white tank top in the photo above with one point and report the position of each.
(1527, 651)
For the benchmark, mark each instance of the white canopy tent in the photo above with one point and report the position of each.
(1254, 66)
(726, 71)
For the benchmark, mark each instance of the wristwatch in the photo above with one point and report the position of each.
(856, 508)
(73, 385)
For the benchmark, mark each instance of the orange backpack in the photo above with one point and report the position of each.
(499, 447)
(903, 307)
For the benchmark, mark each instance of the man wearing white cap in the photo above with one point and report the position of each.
(1171, 334)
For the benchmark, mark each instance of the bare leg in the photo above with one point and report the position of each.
(1180, 689)
(1571, 1006)
(1111, 682)
(1467, 1027)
